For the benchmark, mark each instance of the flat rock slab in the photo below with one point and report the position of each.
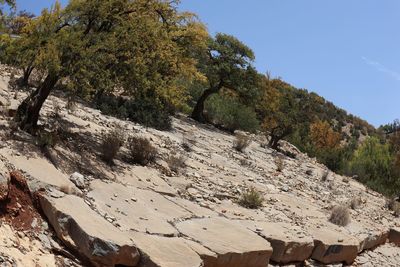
(394, 236)
(290, 243)
(39, 168)
(146, 178)
(368, 236)
(333, 246)
(137, 209)
(159, 251)
(83, 230)
(233, 244)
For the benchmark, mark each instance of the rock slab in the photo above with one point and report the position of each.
(84, 231)
(232, 243)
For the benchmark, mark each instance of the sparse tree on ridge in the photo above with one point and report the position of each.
(227, 64)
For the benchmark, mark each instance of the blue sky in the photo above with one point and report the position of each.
(345, 50)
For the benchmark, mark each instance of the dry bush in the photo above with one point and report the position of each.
(141, 150)
(393, 205)
(45, 139)
(325, 176)
(356, 202)
(69, 190)
(176, 162)
(251, 199)
(241, 142)
(111, 143)
(340, 215)
(280, 164)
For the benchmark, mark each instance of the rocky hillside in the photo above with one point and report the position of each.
(64, 206)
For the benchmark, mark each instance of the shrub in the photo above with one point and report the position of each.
(393, 205)
(45, 139)
(280, 163)
(176, 163)
(251, 199)
(111, 144)
(340, 215)
(241, 142)
(141, 151)
(356, 202)
(187, 144)
(231, 115)
(146, 110)
(325, 176)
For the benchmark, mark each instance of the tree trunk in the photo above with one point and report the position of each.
(198, 111)
(27, 74)
(274, 142)
(28, 111)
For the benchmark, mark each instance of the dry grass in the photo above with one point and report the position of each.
(241, 142)
(340, 215)
(69, 190)
(280, 163)
(251, 199)
(356, 202)
(111, 143)
(141, 150)
(176, 162)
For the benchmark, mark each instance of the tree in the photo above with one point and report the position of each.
(226, 64)
(372, 162)
(96, 47)
(323, 137)
(278, 110)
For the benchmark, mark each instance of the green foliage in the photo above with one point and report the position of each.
(230, 114)
(146, 110)
(140, 47)
(226, 64)
(372, 162)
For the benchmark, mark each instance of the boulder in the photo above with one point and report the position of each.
(78, 179)
(84, 231)
(289, 242)
(232, 243)
(394, 236)
(332, 246)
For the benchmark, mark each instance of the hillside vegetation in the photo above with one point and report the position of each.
(144, 60)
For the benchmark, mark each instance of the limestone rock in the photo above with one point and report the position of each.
(159, 251)
(78, 179)
(289, 243)
(86, 232)
(233, 244)
(332, 246)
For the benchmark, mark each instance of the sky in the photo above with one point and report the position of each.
(345, 50)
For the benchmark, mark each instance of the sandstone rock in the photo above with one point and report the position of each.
(150, 213)
(394, 236)
(332, 246)
(289, 243)
(159, 251)
(83, 230)
(78, 179)
(233, 244)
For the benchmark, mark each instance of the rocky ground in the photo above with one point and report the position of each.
(66, 207)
